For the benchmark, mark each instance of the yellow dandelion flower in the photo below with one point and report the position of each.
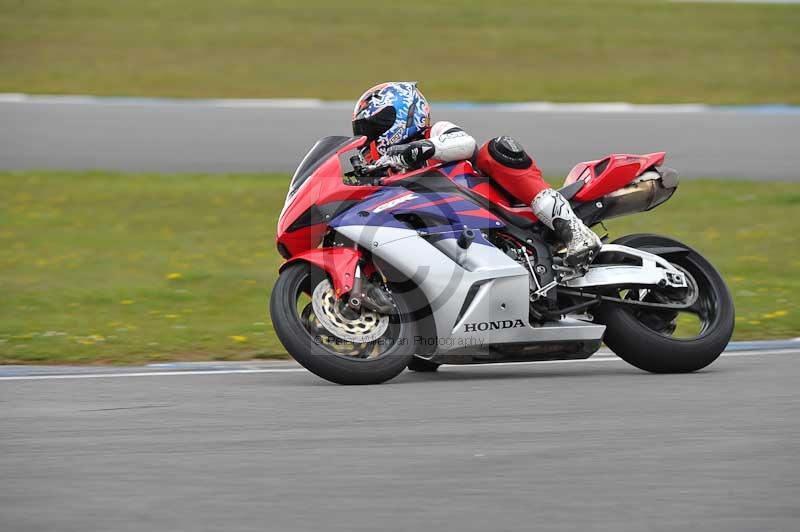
(172, 316)
(174, 276)
(711, 233)
(239, 339)
(776, 314)
(127, 302)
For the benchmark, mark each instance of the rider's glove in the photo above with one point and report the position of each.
(411, 155)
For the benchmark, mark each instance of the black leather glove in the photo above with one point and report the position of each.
(411, 155)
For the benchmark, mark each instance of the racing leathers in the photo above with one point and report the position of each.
(444, 141)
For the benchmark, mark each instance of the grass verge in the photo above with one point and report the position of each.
(132, 268)
(570, 50)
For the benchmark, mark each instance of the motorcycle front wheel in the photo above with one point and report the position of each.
(331, 340)
(668, 341)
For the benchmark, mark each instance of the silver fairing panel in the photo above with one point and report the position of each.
(497, 313)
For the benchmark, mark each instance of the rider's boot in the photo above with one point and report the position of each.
(555, 212)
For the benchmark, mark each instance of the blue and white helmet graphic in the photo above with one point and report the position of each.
(391, 113)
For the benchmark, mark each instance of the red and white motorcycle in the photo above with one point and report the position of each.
(436, 266)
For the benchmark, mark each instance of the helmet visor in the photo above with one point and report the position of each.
(375, 125)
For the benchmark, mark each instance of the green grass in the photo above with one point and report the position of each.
(566, 50)
(114, 268)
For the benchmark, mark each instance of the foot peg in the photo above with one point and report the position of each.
(554, 211)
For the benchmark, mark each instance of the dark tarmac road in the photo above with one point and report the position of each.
(594, 445)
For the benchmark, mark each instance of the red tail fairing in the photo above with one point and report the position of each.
(606, 175)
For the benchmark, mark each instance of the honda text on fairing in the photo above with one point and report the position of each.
(439, 266)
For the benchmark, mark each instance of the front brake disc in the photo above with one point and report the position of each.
(367, 327)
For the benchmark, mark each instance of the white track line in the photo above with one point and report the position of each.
(149, 374)
(313, 103)
(595, 359)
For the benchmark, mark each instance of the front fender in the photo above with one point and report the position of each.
(339, 263)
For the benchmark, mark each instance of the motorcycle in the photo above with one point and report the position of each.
(386, 271)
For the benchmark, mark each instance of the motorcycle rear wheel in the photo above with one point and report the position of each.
(317, 349)
(645, 339)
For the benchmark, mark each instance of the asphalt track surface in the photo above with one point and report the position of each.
(590, 445)
(165, 136)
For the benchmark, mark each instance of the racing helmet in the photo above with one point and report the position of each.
(391, 113)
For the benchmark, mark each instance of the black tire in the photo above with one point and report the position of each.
(422, 365)
(324, 362)
(655, 351)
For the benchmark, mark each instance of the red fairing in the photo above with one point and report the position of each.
(610, 173)
(485, 188)
(340, 263)
(325, 185)
(404, 176)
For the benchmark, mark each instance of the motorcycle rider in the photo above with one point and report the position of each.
(395, 117)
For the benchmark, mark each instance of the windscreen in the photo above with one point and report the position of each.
(317, 155)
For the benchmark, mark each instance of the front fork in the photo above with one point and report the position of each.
(366, 293)
(357, 293)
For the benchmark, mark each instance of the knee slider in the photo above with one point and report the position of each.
(508, 152)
